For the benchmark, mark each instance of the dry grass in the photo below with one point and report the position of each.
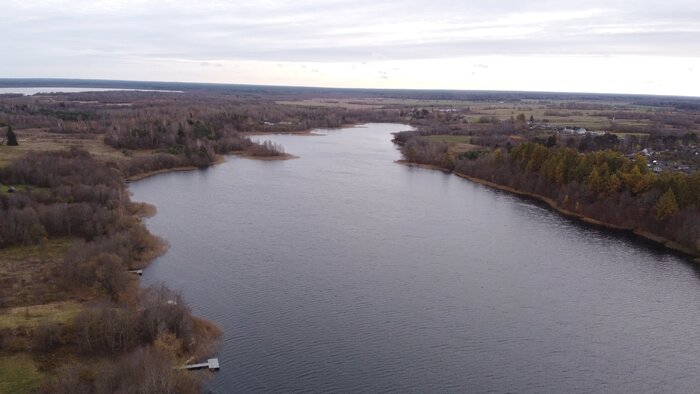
(26, 273)
(18, 374)
(587, 118)
(32, 316)
(53, 248)
(457, 149)
(19, 188)
(43, 141)
(639, 135)
(342, 103)
(447, 138)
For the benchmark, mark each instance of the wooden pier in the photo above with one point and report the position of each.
(212, 364)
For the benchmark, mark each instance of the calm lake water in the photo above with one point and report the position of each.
(344, 271)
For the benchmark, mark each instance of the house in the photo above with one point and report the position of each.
(657, 167)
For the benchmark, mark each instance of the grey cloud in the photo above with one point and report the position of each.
(340, 30)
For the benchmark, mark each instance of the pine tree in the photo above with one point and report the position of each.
(614, 184)
(667, 205)
(595, 181)
(11, 137)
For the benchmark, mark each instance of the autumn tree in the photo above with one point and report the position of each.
(667, 205)
(111, 275)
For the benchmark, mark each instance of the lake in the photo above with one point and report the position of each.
(345, 271)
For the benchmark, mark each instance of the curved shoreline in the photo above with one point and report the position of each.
(149, 174)
(426, 166)
(284, 156)
(552, 204)
(672, 245)
(218, 160)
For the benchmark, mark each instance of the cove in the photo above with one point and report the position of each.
(344, 271)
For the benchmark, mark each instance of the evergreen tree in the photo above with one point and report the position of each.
(595, 181)
(11, 137)
(667, 205)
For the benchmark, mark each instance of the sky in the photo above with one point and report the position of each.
(613, 46)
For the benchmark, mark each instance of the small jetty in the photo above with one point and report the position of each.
(136, 272)
(212, 364)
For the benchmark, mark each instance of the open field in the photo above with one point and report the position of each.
(447, 138)
(18, 374)
(18, 188)
(343, 103)
(458, 148)
(43, 141)
(638, 135)
(32, 316)
(590, 114)
(26, 276)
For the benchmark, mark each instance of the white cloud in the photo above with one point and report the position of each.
(125, 38)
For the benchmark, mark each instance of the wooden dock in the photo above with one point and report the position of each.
(212, 364)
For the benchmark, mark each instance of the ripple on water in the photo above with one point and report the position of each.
(343, 271)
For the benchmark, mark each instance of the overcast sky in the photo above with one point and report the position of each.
(612, 46)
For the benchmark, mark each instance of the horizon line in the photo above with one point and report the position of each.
(4, 80)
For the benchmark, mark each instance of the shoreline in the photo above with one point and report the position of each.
(672, 245)
(218, 160)
(299, 133)
(307, 132)
(667, 243)
(426, 166)
(285, 156)
(149, 174)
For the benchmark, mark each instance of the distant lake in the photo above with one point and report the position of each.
(342, 271)
(32, 91)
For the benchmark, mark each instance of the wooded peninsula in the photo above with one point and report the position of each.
(73, 316)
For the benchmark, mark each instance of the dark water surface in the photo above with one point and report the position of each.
(344, 271)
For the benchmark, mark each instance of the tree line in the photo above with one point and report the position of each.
(71, 194)
(603, 185)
